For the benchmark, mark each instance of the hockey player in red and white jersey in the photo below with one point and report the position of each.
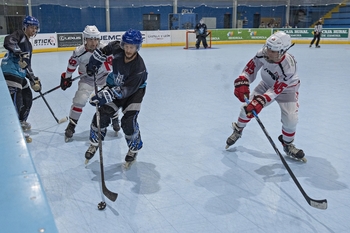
(79, 59)
(280, 82)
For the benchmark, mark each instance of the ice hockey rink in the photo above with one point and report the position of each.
(184, 180)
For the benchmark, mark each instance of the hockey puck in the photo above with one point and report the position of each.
(102, 205)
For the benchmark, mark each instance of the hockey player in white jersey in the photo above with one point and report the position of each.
(79, 59)
(280, 82)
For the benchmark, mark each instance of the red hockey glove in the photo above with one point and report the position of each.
(241, 88)
(257, 103)
(65, 82)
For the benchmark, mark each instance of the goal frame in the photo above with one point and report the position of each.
(188, 44)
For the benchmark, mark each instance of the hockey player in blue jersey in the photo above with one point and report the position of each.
(125, 90)
(16, 67)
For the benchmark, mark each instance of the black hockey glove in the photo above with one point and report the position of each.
(95, 62)
(104, 96)
(65, 82)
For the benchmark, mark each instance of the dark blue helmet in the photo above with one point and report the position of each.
(132, 37)
(29, 21)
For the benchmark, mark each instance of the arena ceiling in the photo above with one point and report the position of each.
(180, 3)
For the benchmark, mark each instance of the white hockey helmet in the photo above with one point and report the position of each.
(279, 42)
(91, 32)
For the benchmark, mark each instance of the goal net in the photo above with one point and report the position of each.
(191, 39)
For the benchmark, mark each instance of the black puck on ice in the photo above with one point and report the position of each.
(102, 205)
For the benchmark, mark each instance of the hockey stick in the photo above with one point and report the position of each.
(47, 104)
(319, 204)
(109, 194)
(55, 88)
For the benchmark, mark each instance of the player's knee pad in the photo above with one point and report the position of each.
(106, 112)
(131, 131)
(129, 123)
(81, 97)
(94, 138)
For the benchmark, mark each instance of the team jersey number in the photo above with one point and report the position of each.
(278, 87)
(250, 67)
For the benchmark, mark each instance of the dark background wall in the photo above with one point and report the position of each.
(55, 18)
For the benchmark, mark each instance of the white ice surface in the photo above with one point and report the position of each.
(184, 180)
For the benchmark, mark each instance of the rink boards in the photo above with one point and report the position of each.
(23, 203)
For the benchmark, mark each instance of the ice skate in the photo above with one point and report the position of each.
(90, 153)
(70, 130)
(27, 137)
(25, 126)
(130, 158)
(237, 133)
(292, 151)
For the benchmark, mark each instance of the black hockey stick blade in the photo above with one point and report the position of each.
(109, 194)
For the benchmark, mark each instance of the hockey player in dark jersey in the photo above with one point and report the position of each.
(16, 67)
(125, 89)
(201, 34)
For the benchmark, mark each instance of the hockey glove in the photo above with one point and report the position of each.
(36, 84)
(257, 104)
(95, 62)
(65, 82)
(241, 88)
(104, 96)
(34, 81)
(117, 92)
(23, 60)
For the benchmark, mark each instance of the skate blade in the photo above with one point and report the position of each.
(227, 146)
(68, 139)
(127, 165)
(87, 161)
(304, 160)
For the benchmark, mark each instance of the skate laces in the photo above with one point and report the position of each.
(237, 133)
(92, 149)
(71, 126)
(291, 149)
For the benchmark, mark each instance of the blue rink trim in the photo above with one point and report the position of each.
(23, 203)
